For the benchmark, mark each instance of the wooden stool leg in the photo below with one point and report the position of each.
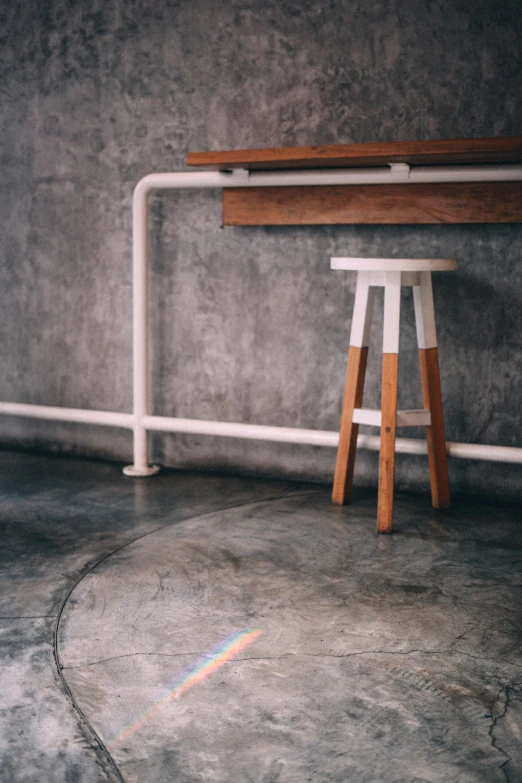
(353, 395)
(390, 374)
(432, 396)
(354, 388)
(431, 391)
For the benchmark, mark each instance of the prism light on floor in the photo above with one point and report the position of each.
(199, 671)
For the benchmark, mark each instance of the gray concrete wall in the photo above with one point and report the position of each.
(249, 323)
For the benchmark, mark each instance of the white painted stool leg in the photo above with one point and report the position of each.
(431, 390)
(362, 310)
(390, 372)
(424, 312)
(354, 388)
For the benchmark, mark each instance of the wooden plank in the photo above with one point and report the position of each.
(353, 396)
(390, 375)
(432, 398)
(431, 152)
(461, 202)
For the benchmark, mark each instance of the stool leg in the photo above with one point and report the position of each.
(354, 388)
(390, 374)
(353, 395)
(431, 391)
(432, 396)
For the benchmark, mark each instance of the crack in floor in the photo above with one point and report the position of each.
(31, 617)
(494, 721)
(448, 651)
(249, 658)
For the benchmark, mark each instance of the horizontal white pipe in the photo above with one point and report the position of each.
(492, 173)
(364, 176)
(324, 438)
(79, 415)
(384, 175)
(253, 431)
(250, 431)
(189, 179)
(370, 176)
(487, 453)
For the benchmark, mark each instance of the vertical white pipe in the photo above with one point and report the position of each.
(140, 331)
(140, 325)
(140, 303)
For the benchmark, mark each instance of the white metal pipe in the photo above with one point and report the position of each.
(482, 452)
(323, 438)
(78, 415)
(181, 180)
(253, 431)
(140, 327)
(140, 318)
(492, 173)
(248, 431)
(141, 422)
(242, 178)
(381, 176)
(361, 176)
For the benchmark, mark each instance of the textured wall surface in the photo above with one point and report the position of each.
(249, 323)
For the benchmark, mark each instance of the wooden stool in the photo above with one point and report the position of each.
(392, 274)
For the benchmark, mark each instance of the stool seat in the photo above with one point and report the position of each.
(392, 274)
(394, 264)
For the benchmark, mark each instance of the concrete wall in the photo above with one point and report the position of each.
(250, 324)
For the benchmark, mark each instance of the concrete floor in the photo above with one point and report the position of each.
(196, 628)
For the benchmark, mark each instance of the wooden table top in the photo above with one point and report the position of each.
(438, 152)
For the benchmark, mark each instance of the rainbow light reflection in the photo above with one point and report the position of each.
(198, 672)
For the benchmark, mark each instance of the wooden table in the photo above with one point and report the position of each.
(413, 200)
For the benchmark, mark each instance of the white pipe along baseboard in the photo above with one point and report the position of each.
(263, 432)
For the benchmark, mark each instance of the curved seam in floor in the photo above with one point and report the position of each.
(84, 721)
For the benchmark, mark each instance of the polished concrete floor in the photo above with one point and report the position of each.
(193, 628)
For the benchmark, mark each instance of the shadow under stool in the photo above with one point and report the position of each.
(392, 274)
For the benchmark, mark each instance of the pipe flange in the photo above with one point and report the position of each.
(150, 470)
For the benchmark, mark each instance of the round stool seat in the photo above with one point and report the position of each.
(394, 264)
